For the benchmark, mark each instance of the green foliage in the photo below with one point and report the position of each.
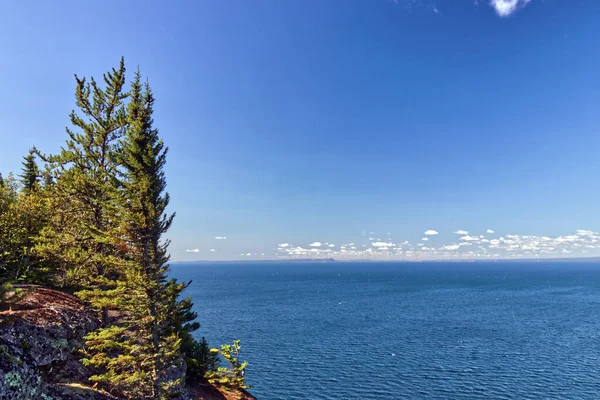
(199, 360)
(31, 174)
(147, 341)
(233, 376)
(80, 183)
(94, 221)
(122, 358)
(23, 214)
(10, 296)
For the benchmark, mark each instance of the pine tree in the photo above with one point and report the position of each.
(47, 178)
(147, 337)
(31, 174)
(83, 193)
(23, 214)
(8, 244)
(199, 359)
(143, 158)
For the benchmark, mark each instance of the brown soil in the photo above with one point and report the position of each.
(210, 392)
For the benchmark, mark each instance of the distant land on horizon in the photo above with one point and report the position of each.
(328, 260)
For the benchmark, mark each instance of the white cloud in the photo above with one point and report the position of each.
(221, 237)
(582, 232)
(505, 8)
(469, 238)
(451, 247)
(382, 244)
(490, 231)
(213, 250)
(431, 232)
(584, 242)
(461, 232)
(193, 251)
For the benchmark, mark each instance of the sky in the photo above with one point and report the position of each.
(372, 129)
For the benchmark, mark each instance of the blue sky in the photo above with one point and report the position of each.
(305, 122)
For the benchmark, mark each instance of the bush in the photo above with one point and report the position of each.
(9, 296)
(199, 359)
(234, 376)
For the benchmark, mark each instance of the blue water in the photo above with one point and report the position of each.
(406, 330)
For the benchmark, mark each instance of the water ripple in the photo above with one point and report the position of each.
(405, 331)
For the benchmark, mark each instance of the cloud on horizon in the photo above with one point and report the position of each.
(431, 232)
(221, 237)
(382, 244)
(193, 251)
(581, 244)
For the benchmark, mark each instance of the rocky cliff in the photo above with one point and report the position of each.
(40, 339)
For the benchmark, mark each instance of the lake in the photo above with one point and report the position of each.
(350, 331)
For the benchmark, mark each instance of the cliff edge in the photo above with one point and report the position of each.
(40, 339)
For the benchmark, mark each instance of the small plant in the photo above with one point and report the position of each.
(9, 296)
(199, 359)
(233, 376)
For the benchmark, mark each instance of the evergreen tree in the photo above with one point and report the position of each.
(147, 336)
(83, 193)
(47, 178)
(8, 247)
(31, 174)
(199, 359)
(23, 214)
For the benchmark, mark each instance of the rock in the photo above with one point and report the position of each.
(39, 343)
(176, 373)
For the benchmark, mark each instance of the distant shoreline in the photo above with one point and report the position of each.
(310, 260)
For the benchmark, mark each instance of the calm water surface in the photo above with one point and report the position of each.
(406, 330)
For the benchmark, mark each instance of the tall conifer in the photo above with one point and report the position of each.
(30, 174)
(148, 334)
(84, 189)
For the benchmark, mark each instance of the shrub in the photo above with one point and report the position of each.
(233, 376)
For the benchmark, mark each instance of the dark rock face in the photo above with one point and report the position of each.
(40, 341)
